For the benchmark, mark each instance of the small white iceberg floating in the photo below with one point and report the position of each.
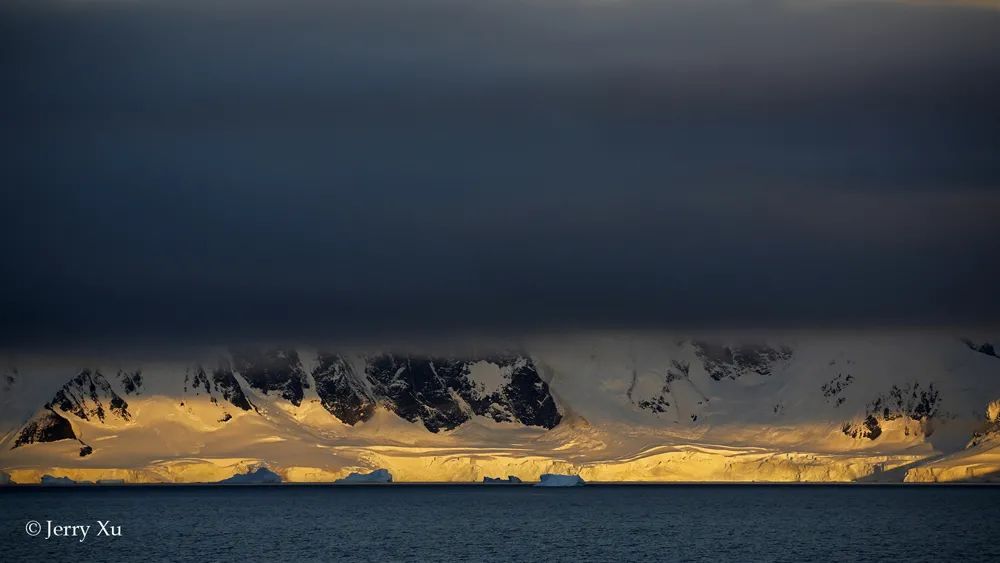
(377, 476)
(556, 480)
(500, 480)
(259, 476)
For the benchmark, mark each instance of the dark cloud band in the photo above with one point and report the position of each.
(210, 170)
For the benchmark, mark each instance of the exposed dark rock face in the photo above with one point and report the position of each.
(733, 362)
(221, 382)
(526, 396)
(341, 391)
(198, 381)
(421, 389)
(225, 382)
(868, 428)
(910, 401)
(438, 392)
(657, 404)
(46, 427)
(276, 370)
(984, 348)
(89, 396)
(833, 389)
(678, 371)
(131, 382)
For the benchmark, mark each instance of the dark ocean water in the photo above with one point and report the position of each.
(504, 523)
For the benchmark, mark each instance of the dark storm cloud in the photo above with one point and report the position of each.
(230, 169)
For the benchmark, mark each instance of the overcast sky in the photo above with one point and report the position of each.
(176, 170)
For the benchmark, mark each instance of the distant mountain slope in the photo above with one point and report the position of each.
(822, 406)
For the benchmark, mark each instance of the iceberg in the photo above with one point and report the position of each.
(56, 481)
(5, 478)
(377, 476)
(259, 476)
(111, 481)
(509, 479)
(556, 480)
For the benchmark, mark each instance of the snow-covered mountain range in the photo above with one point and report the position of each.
(869, 406)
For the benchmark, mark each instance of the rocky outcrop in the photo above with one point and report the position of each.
(441, 394)
(89, 396)
(342, 391)
(131, 382)
(438, 392)
(276, 370)
(869, 428)
(422, 389)
(678, 372)
(221, 382)
(833, 389)
(983, 348)
(733, 362)
(48, 426)
(910, 400)
(525, 396)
